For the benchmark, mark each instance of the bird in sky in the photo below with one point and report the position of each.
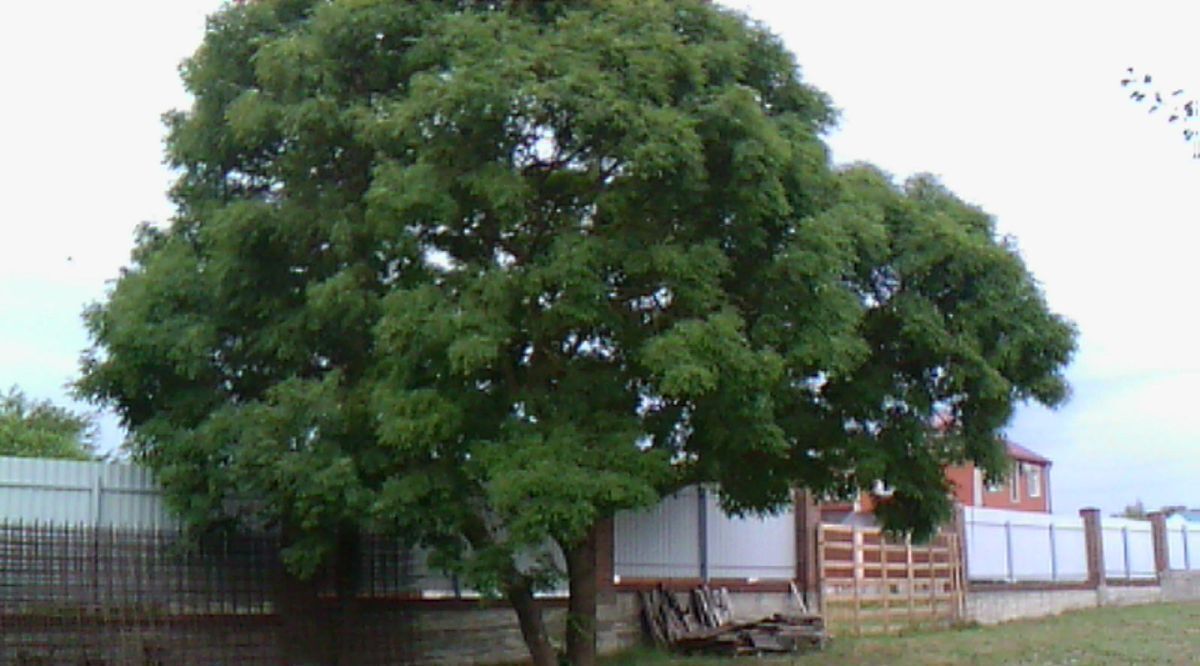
(1186, 112)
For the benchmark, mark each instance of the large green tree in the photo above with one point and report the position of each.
(39, 429)
(485, 273)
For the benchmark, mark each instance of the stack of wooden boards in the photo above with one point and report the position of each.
(701, 622)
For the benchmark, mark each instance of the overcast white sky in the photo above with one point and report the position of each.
(1015, 105)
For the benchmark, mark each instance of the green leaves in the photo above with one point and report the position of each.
(691, 360)
(482, 274)
(38, 429)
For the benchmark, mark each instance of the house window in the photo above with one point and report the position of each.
(1033, 479)
(1015, 483)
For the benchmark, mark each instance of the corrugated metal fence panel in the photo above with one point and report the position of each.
(750, 547)
(130, 496)
(659, 542)
(72, 492)
(46, 490)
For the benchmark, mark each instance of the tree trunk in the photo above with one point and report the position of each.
(533, 626)
(581, 607)
(518, 589)
(348, 624)
(305, 634)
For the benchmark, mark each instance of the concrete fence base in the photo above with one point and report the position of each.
(996, 606)
(993, 606)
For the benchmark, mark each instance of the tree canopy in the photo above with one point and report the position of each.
(38, 429)
(485, 273)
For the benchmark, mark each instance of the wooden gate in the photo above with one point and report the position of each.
(872, 584)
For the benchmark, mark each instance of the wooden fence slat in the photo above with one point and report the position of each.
(884, 565)
(862, 587)
(857, 579)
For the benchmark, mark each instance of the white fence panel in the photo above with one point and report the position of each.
(1141, 553)
(1183, 544)
(1192, 537)
(74, 492)
(1023, 546)
(1114, 550)
(1128, 548)
(660, 542)
(1177, 554)
(1032, 552)
(987, 547)
(750, 547)
(1070, 545)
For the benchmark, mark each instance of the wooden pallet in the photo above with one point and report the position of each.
(701, 623)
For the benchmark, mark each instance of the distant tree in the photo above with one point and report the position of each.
(1136, 511)
(486, 273)
(1172, 509)
(39, 429)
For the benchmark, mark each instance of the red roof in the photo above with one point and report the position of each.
(1018, 452)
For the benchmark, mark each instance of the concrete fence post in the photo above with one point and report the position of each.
(1094, 543)
(1158, 533)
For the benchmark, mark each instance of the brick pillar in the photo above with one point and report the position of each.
(1094, 542)
(1158, 527)
(606, 591)
(808, 517)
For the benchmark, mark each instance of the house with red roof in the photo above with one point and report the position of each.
(1027, 488)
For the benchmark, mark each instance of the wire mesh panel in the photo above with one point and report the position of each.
(104, 595)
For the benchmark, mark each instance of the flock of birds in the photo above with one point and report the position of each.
(1176, 107)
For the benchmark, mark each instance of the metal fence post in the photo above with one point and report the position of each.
(1053, 555)
(1125, 545)
(97, 497)
(1187, 559)
(1008, 552)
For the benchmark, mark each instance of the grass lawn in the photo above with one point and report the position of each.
(1152, 634)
